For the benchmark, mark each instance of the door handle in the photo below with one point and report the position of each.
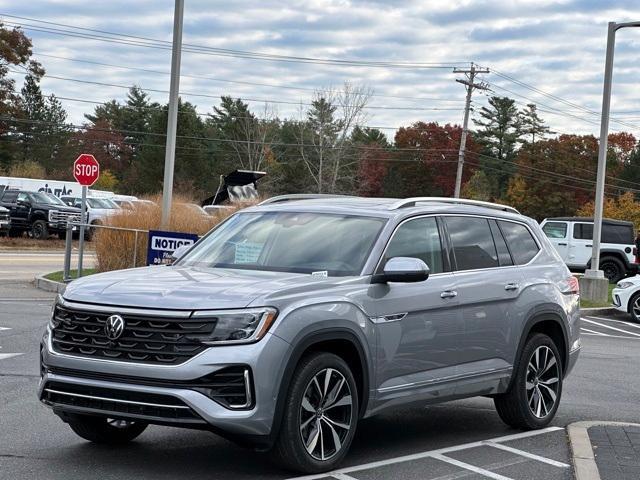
(449, 294)
(589, 246)
(511, 286)
(562, 244)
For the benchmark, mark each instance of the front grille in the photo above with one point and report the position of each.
(4, 216)
(57, 216)
(145, 338)
(119, 402)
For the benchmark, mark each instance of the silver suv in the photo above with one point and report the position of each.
(295, 318)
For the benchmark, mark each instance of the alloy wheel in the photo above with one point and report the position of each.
(543, 381)
(118, 423)
(636, 308)
(325, 414)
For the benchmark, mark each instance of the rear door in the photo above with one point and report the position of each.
(581, 245)
(558, 235)
(488, 286)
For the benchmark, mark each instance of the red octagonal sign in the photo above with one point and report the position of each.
(86, 170)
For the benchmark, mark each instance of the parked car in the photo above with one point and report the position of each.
(572, 239)
(293, 320)
(5, 221)
(98, 211)
(626, 297)
(216, 209)
(38, 213)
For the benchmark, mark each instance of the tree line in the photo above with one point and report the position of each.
(512, 156)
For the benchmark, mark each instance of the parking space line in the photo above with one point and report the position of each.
(4, 356)
(610, 336)
(522, 453)
(430, 453)
(628, 324)
(593, 332)
(610, 327)
(343, 476)
(467, 466)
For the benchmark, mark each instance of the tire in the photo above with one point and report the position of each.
(529, 403)
(40, 230)
(308, 402)
(613, 269)
(104, 430)
(634, 307)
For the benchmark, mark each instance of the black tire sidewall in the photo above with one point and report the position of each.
(44, 231)
(290, 441)
(633, 298)
(619, 267)
(535, 341)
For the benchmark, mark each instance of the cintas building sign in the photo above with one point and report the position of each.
(162, 244)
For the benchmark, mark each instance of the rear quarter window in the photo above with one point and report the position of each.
(620, 234)
(521, 243)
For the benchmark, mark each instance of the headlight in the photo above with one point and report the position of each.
(624, 285)
(53, 322)
(238, 326)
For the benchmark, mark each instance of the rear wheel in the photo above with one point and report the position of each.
(40, 230)
(613, 269)
(320, 417)
(534, 395)
(110, 431)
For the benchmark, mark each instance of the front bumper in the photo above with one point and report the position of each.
(164, 394)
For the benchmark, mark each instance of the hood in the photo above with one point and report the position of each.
(55, 206)
(187, 288)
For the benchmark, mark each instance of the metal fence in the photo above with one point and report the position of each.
(69, 241)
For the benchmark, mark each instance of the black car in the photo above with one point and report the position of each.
(37, 213)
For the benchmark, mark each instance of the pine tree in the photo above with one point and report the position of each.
(532, 127)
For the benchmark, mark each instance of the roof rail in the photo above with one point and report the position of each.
(300, 196)
(411, 202)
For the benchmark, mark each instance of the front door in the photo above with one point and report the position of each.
(418, 325)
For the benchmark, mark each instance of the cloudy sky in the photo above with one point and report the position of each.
(543, 51)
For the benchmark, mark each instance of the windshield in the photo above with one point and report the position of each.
(47, 198)
(98, 203)
(326, 244)
(110, 203)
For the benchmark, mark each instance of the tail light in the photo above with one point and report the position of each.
(572, 286)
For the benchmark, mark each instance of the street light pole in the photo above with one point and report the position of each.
(594, 274)
(172, 120)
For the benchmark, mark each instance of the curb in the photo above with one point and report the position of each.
(49, 285)
(584, 462)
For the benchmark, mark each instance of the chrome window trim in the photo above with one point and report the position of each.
(115, 400)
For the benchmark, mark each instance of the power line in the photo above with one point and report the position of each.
(240, 82)
(134, 40)
(260, 100)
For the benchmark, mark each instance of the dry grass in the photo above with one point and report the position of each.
(115, 249)
(26, 243)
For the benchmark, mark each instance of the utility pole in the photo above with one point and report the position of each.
(468, 82)
(172, 120)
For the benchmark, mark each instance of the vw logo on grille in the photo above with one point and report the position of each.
(114, 327)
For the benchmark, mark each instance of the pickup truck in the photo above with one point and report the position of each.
(38, 213)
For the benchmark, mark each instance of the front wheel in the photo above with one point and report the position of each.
(634, 307)
(320, 416)
(40, 230)
(534, 395)
(109, 431)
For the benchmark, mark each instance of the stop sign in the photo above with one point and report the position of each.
(86, 170)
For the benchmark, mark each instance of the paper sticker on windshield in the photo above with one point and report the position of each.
(321, 273)
(248, 252)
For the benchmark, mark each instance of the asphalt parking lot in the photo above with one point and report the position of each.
(463, 439)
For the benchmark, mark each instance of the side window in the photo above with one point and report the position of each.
(418, 238)
(620, 234)
(520, 241)
(473, 245)
(583, 231)
(501, 246)
(10, 197)
(555, 229)
(23, 197)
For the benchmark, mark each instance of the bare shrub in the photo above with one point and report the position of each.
(115, 249)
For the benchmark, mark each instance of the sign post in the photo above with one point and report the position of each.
(86, 171)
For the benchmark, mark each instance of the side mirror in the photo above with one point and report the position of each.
(403, 269)
(179, 253)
